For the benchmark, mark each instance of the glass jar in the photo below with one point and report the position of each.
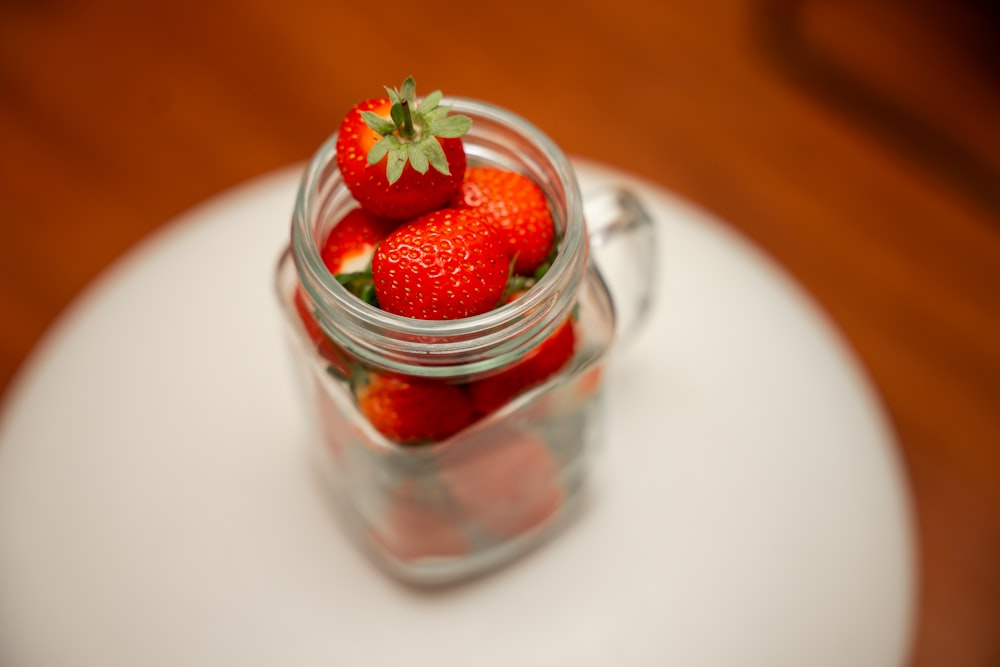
(442, 511)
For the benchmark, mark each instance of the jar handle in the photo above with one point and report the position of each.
(623, 243)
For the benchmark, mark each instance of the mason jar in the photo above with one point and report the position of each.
(436, 512)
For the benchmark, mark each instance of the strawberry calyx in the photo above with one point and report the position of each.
(516, 285)
(411, 133)
(519, 284)
(360, 284)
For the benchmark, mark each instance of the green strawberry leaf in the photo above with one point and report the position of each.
(380, 149)
(418, 160)
(450, 127)
(378, 123)
(434, 115)
(397, 160)
(515, 285)
(409, 90)
(430, 103)
(435, 154)
(367, 294)
(360, 284)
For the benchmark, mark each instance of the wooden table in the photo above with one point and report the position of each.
(854, 140)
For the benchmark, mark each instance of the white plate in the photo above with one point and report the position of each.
(157, 509)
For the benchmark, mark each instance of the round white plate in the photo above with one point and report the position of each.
(157, 507)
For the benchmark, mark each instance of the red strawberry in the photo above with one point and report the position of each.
(540, 364)
(400, 159)
(414, 410)
(326, 348)
(506, 481)
(515, 205)
(445, 265)
(416, 526)
(309, 323)
(351, 243)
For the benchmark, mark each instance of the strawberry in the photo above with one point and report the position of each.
(351, 243)
(401, 159)
(447, 264)
(505, 480)
(492, 392)
(349, 247)
(304, 310)
(336, 429)
(517, 207)
(338, 359)
(412, 410)
(416, 525)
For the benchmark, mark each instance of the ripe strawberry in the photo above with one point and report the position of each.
(413, 410)
(304, 311)
(506, 481)
(492, 392)
(447, 264)
(401, 159)
(415, 525)
(515, 205)
(336, 429)
(351, 243)
(338, 359)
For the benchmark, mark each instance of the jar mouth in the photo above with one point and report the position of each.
(446, 348)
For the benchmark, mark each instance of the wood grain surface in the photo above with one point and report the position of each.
(855, 141)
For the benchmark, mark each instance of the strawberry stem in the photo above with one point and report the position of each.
(407, 131)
